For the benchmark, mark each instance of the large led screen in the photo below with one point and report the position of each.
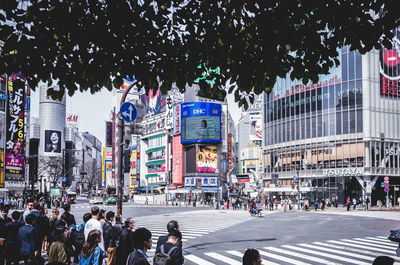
(390, 67)
(201, 122)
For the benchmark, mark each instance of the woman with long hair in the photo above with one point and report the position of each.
(91, 253)
(58, 253)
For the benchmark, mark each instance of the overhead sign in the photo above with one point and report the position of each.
(128, 112)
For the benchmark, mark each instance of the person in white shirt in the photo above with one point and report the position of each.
(94, 224)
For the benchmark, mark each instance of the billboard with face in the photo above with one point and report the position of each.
(154, 102)
(256, 127)
(206, 159)
(52, 141)
(201, 122)
(390, 67)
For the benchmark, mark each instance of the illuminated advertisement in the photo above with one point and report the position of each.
(155, 103)
(206, 158)
(177, 160)
(255, 127)
(201, 122)
(15, 129)
(390, 67)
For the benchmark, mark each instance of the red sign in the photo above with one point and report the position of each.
(177, 160)
(243, 178)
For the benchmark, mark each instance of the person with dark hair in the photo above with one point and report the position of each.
(57, 251)
(171, 226)
(94, 224)
(383, 260)
(29, 208)
(41, 226)
(67, 217)
(126, 242)
(143, 242)
(78, 236)
(110, 238)
(26, 237)
(251, 257)
(171, 248)
(13, 245)
(4, 219)
(101, 216)
(91, 253)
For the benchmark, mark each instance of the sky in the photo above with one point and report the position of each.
(94, 110)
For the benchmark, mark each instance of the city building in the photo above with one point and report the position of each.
(338, 137)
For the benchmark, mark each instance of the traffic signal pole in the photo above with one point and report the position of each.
(120, 151)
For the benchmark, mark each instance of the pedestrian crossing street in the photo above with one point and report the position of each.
(192, 224)
(360, 251)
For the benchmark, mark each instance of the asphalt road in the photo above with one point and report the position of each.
(221, 236)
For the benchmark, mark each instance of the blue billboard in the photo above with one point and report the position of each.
(201, 122)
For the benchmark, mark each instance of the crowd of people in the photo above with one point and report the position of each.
(36, 237)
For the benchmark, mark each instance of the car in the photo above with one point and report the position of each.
(111, 200)
(96, 200)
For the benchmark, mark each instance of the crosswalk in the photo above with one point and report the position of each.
(359, 250)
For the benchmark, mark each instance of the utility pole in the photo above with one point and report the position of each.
(120, 150)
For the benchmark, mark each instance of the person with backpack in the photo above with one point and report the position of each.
(170, 253)
(91, 253)
(58, 252)
(78, 236)
(67, 217)
(143, 242)
(171, 226)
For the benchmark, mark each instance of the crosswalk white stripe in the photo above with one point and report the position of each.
(382, 240)
(198, 260)
(223, 258)
(338, 252)
(367, 244)
(384, 237)
(240, 255)
(360, 246)
(296, 254)
(371, 253)
(331, 256)
(278, 257)
(374, 241)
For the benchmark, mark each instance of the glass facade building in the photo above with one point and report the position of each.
(339, 136)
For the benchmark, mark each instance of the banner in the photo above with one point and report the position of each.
(255, 127)
(177, 160)
(52, 141)
(109, 131)
(15, 129)
(206, 158)
(390, 67)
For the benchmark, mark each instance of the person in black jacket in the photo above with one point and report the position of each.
(40, 228)
(110, 238)
(143, 243)
(126, 242)
(67, 217)
(4, 219)
(171, 247)
(171, 226)
(13, 245)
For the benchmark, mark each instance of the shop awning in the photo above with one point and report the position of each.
(155, 149)
(154, 162)
(151, 175)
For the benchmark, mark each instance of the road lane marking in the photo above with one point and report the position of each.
(197, 260)
(368, 244)
(291, 253)
(278, 257)
(331, 256)
(374, 241)
(359, 246)
(339, 252)
(223, 258)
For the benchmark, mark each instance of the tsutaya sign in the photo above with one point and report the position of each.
(343, 172)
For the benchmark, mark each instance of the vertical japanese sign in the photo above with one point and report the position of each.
(109, 135)
(15, 129)
(169, 121)
(177, 119)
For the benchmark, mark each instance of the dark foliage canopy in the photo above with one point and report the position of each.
(92, 44)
